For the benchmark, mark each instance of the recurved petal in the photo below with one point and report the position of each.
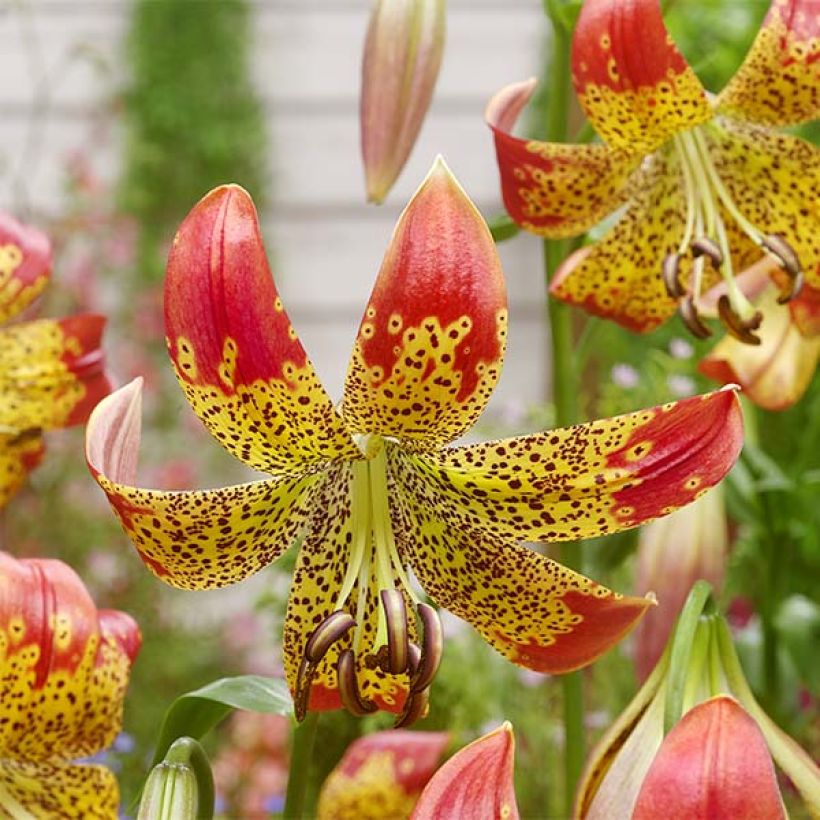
(51, 372)
(381, 775)
(582, 481)
(779, 81)
(19, 455)
(774, 374)
(552, 189)
(773, 179)
(63, 668)
(25, 265)
(199, 539)
(317, 583)
(714, 763)
(235, 352)
(431, 343)
(532, 610)
(619, 277)
(632, 81)
(475, 783)
(56, 790)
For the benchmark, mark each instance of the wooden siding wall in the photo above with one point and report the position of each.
(60, 58)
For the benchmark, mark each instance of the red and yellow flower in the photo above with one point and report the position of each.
(51, 370)
(372, 490)
(707, 184)
(381, 775)
(64, 668)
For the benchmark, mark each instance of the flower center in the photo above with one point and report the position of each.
(706, 238)
(374, 555)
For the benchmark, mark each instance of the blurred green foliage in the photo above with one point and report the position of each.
(193, 119)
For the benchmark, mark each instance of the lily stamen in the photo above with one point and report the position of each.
(415, 707)
(395, 614)
(349, 688)
(671, 276)
(431, 649)
(689, 314)
(739, 328)
(704, 246)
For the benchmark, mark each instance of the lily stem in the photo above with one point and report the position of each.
(564, 378)
(301, 756)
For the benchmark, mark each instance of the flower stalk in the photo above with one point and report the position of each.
(301, 756)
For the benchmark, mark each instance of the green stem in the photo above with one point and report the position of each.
(301, 756)
(564, 380)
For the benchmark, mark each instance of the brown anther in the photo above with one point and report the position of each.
(781, 250)
(349, 688)
(326, 634)
(688, 312)
(413, 658)
(432, 648)
(395, 613)
(415, 707)
(671, 275)
(741, 329)
(323, 637)
(704, 246)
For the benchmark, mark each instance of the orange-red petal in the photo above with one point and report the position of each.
(199, 539)
(805, 311)
(431, 343)
(381, 775)
(51, 372)
(552, 189)
(581, 481)
(714, 763)
(25, 265)
(64, 666)
(779, 81)
(234, 349)
(632, 81)
(475, 783)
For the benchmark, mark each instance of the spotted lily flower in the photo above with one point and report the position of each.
(64, 669)
(707, 184)
(381, 775)
(51, 370)
(372, 489)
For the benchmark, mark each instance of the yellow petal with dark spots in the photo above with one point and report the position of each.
(582, 481)
(51, 372)
(51, 790)
(431, 343)
(235, 351)
(19, 455)
(631, 80)
(552, 189)
(531, 609)
(779, 81)
(320, 571)
(773, 179)
(25, 265)
(199, 539)
(64, 666)
(620, 277)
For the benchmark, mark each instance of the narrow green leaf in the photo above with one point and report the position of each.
(502, 227)
(195, 713)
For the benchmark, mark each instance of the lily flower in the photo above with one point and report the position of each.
(51, 370)
(475, 783)
(673, 553)
(64, 668)
(402, 57)
(381, 775)
(715, 760)
(706, 183)
(372, 490)
(776, 373)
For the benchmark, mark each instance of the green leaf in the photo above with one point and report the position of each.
(195, 713)
(502, 227)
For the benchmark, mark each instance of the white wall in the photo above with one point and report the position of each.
(59, 67)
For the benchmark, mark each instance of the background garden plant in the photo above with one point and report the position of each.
(109, 256)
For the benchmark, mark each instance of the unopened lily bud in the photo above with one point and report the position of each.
(402, 55)
(180, 787)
